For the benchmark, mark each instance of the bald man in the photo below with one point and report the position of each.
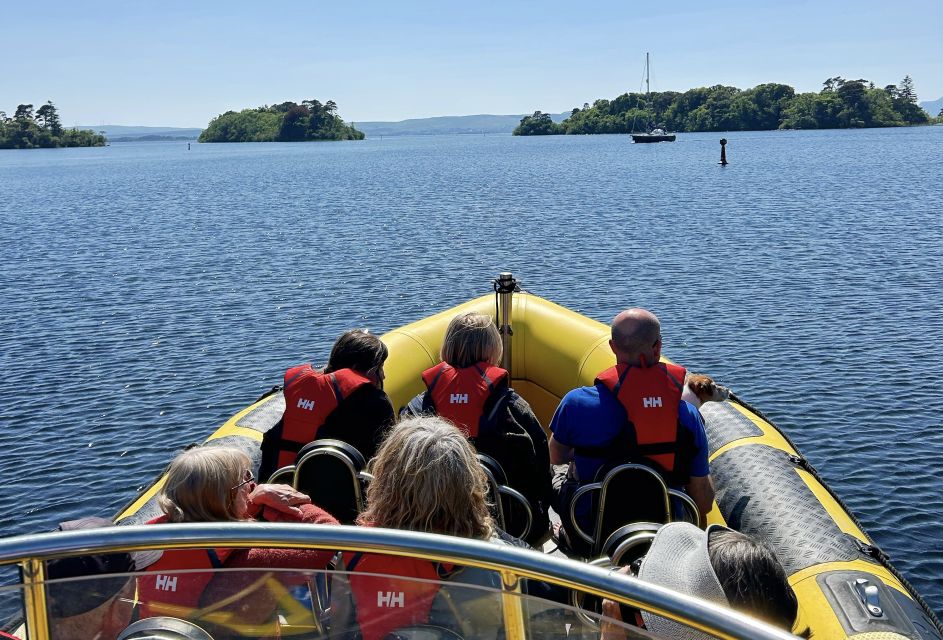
(634, 412)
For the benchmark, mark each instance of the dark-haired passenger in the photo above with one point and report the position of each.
(719, 565)
(471, 391)
(345, 402)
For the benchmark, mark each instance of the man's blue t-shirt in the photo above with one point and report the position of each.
(593, 417)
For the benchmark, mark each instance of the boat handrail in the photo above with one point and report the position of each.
(511, 563)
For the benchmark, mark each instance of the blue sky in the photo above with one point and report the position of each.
(177, 63)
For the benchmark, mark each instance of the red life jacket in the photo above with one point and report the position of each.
(310, 397)
(460, 395)
(384, 604)
(166, 592)
(650, 397)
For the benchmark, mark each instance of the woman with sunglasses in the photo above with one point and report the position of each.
(216, 484)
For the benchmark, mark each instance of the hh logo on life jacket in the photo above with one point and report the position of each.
(651, 402)
(391, 599)
(458, 398)
(306, 404)
(166, 583)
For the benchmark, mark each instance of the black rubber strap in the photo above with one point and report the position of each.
(215, 562)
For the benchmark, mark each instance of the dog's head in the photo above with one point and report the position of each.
(706, 389)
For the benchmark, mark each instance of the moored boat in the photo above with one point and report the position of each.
(655, 134)
(845, 585)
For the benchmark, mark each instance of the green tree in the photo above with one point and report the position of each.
(770, 100)
(538, 124)
(27, 130)
(906, 90)
(284, 122)
(880, 106)
(50, 118)
(23, 112)
(294, 124)
(905, 102)
(841, 103)
(852, 94)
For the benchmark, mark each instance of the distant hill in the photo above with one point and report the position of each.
(932, 106)
(443, 125)
(122, 133)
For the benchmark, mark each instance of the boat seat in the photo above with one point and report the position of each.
(629, 543)
(331, 473)
(512, 510)
(690, 513)
(285, 475)
(628, 493)
(625, 546)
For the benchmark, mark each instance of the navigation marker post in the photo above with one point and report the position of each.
(723, 152)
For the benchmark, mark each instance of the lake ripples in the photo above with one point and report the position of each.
(150, 292)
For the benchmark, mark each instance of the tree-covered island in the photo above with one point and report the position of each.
(285, 122)
(840, 104)
(42, 129)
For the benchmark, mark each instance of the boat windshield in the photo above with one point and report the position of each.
(256, 603)
(658, 132)
(381, 584)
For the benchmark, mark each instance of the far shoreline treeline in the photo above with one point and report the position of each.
(285, 122)
(42, 130)
(841, 104)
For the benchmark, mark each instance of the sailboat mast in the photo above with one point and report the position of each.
(646, 73)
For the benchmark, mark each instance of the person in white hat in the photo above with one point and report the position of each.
(719, 565)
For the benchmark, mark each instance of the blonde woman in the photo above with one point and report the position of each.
(427, 479)
(471, 391)
(217, 484)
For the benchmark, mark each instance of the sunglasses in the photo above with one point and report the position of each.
(249, 479)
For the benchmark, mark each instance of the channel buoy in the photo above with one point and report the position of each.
(723, 152)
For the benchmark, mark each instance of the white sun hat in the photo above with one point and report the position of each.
(678, 560)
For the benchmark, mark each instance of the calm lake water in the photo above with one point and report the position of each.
(149, 292)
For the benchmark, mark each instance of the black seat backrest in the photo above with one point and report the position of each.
(493, 467)
(630, 493)
(330, 472)
(511, 510)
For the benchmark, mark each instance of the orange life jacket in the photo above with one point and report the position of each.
(310, 397)
(650, 397)
(460, 395)
(383, 603)
(162, 591)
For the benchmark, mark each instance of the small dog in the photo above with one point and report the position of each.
(699, 389)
